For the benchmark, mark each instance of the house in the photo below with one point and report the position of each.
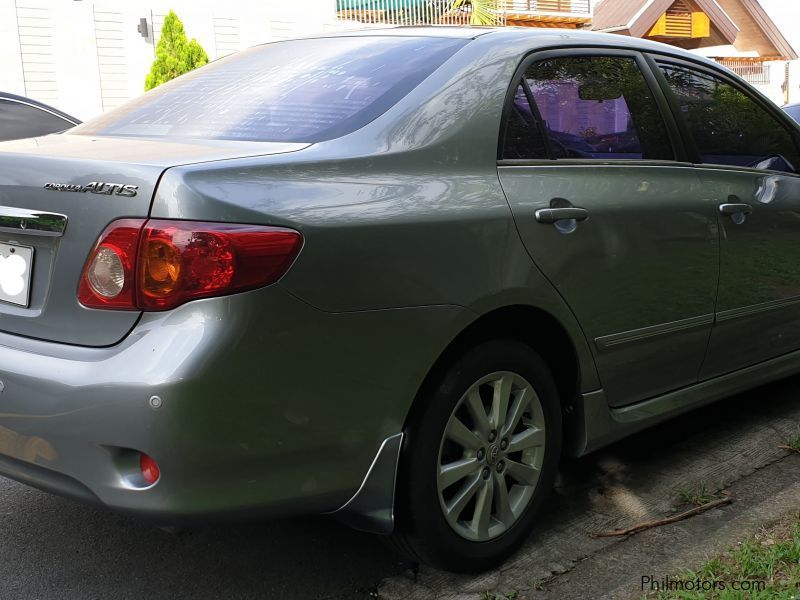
(738, 34)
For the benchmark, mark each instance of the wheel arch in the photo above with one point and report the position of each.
(533, 326)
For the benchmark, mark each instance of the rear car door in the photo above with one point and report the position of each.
(618, 224)
(747, 154)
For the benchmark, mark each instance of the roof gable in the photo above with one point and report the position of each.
(637, 17)
(768, 28)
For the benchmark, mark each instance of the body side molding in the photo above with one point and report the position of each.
(615, 339)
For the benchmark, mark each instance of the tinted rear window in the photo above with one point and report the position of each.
(293, 91)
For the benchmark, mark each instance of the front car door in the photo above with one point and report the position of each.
(621, 228)
(746, 153)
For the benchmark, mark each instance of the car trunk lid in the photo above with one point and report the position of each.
(83, 179)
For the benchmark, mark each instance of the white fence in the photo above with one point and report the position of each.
(450, 12)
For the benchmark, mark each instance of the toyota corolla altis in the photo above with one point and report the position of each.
(391, 275)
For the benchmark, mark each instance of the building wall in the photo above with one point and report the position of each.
(86, 56)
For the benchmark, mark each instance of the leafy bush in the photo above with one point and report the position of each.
(174, 54)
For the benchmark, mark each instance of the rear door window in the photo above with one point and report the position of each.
(592, 107)
(729, 127)
(293, 91)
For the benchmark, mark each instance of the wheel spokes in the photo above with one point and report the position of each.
(489, 465)
(464, 495)
(524, 474)
(503, 511)
(530, 438)
(460, 434)
(478, 412)
(456, 471)
(516, 411)
(500, 400)
(483, 509)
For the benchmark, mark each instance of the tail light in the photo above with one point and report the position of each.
(158, 265)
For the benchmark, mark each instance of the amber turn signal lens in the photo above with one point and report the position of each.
(162, 267)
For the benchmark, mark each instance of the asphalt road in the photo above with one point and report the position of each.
(53, 548)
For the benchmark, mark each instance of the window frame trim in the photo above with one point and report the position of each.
(656, 59)
(41, 108)
(676, 140)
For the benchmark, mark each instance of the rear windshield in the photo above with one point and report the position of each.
(292, 91)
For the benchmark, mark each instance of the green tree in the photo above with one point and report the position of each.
(174, 54)
(483, 12)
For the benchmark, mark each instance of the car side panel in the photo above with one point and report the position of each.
(419, 238)
(640, 272)
(758, 309)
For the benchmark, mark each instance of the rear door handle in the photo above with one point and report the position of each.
(551, 215)
(735, 208)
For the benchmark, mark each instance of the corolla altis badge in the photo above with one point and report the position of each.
(95, 187)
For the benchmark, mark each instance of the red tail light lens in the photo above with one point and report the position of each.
(108, 277)
(177, 261)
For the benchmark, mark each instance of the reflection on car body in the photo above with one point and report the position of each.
(393, 275)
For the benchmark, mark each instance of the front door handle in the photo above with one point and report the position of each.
(733, 208)
(551, 215)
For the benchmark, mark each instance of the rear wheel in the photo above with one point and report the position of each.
(479, 459)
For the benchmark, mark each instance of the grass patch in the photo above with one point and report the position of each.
(792, 442)
(765, 566)
(697, 495)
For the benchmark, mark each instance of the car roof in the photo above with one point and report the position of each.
(533, 36)
(41, 105)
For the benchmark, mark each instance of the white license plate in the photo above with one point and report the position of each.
(16, 265)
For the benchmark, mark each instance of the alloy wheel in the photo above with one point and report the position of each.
(491, 456)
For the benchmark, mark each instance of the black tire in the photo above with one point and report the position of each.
(422, 532)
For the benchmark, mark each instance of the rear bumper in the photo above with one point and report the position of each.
(267, 405)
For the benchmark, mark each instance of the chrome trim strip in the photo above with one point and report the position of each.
(591, 162)
(42, 108)
(746, 311)
(615, 339)
(31, 222)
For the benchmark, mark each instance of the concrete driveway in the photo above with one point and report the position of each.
(55, 548)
